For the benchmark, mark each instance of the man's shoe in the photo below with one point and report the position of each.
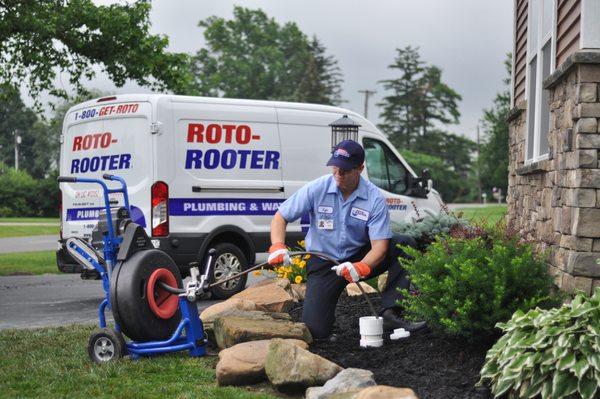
(331, 338)
(392, 320)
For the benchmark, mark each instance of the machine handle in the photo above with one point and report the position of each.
(66, 179)
(108, 176)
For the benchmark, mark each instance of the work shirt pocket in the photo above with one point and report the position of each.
(357, 228)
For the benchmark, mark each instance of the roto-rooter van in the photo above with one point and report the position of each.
(210, 173)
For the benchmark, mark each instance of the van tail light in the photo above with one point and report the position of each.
(60, 215)
(160, 209)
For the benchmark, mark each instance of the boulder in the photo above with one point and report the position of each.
(386, 392)
(290, 367)
(382, 281)
(229, 331)
(229, 306)
(353, 290)
(298, 291)
(269, 297)
(347, 381)
(244, 363)
(235, 308)
(278, 281)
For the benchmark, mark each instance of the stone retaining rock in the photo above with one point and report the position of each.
(289, 367)
(382, 281)
(244, 363)
(298, 291)
(229, 306)
(353, 290)
(347, 381)
(386, 392)
(270, 297)
(229, 331)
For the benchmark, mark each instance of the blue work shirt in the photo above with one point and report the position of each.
(339, 228)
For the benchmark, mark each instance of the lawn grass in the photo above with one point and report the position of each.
(24, 231)
(30, 220)
(28, 263)
(53, 363)
(491, 214)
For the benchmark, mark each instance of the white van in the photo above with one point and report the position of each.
(211, 172)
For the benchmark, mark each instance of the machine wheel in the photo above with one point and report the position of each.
(145, 311)
(106, 345)
(228, 260)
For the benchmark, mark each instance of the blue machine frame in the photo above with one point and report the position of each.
(189, 334)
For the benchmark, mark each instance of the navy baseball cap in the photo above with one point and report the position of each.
(348, 154)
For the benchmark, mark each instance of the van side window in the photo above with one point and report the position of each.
(384, 169)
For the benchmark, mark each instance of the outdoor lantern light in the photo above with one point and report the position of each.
(343, 129)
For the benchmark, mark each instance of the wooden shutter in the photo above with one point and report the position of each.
(520, 50)
(568, 29)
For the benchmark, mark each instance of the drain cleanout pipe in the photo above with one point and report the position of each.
(264, 264)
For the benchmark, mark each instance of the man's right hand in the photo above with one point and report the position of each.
(278, 254)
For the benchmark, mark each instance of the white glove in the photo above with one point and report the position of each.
(279, 255)
(350, 270)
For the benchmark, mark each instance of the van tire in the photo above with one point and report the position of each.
(228, 255)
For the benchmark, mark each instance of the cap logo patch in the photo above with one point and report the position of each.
(341, 152)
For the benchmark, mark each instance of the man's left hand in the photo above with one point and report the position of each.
(352, 272)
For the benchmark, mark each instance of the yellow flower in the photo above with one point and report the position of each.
(298, 279)
(303, 264)
(301, 243)
(257, 272)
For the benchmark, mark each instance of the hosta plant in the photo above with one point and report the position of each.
(548, 353)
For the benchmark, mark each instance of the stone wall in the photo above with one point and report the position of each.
(556, 202)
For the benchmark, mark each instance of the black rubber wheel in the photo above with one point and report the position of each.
(106, 345)
(228, 260)
(128, 296)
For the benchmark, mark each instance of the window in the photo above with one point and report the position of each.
(539, 66)
(384, 169)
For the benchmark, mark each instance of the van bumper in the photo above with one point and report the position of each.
(65, 262)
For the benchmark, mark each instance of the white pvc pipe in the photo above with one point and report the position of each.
(371, 331)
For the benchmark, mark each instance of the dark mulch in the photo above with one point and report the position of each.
(432, 365)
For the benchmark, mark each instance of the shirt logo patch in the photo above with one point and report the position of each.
(360, 214)
(325, 209)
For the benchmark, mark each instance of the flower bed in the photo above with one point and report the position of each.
(432, 365)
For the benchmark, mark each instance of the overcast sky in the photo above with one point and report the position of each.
(468, 39)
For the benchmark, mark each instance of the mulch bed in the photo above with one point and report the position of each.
(432, 365)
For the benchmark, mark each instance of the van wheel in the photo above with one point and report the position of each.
(228, 261)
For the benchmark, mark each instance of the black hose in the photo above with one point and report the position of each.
(170, 289)
(178, 291)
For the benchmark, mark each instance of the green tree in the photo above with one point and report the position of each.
(493, 160)
(42, 38)
(252, 56)
(322, 80)
(417, 99)
(15, 119)
(453, 185)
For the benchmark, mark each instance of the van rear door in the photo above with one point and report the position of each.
(111, 137)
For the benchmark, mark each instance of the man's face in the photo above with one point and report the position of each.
(346, 179)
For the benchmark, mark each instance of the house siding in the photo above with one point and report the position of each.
(520, 51)
(568, 29)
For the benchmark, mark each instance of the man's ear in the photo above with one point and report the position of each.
(361, 167)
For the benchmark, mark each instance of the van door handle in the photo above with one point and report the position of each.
(233, 189)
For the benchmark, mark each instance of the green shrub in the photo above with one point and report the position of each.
(551, 353)
(466, 285)
(425, 230)
(21, 195)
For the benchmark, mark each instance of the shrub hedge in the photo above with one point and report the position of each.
(21, 195)
(465, 285)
